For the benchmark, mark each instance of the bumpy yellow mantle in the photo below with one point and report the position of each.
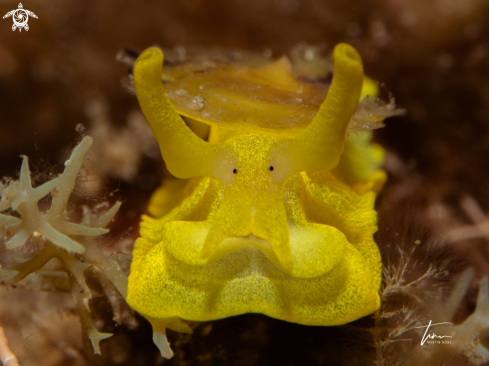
(260, 222)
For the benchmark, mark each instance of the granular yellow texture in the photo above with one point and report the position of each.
(259, 222)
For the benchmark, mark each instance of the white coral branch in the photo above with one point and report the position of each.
(55, 229)
(21, 197)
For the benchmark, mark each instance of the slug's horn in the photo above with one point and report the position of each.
(319, 147)
(185, 154)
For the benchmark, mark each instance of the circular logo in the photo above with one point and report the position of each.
(20, 17)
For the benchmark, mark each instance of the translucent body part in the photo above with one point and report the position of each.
(269, 224)
(262, 99)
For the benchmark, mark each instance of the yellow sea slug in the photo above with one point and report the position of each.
(273, 211)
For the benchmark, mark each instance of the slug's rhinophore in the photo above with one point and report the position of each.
(274, 213)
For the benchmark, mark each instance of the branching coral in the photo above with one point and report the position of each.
(74, 244)
(21, 197)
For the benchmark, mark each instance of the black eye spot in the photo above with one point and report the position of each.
(271, 168)
(235, 171)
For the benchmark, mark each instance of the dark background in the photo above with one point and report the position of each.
(433, 56)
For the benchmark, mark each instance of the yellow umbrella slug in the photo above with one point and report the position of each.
(273, 213)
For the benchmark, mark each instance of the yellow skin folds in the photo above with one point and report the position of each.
(267, 224)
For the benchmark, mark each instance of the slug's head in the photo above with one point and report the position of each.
(246, 165)
(251, 158)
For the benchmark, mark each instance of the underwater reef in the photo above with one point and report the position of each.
(71, 206)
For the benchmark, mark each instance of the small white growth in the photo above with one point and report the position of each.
(159, 333)
(181, 92)
(197, 103)
(53, 225)
(67, 162)
(308, 62)
(201, 87)
(309, 54)
(206, 114)
(370, 113)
